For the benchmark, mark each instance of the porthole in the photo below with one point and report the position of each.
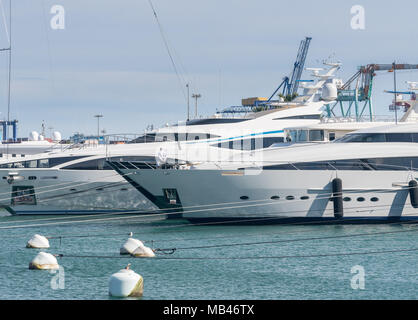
(99, 189)
(360, 199)
(275, 198)
(290, 198)
(244, 198)
(374, 199)
(347, 199)
(304, 198)
(32, 178)
(124, 189)
(72, 189)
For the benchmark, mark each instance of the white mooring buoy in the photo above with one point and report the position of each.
(44, 261)
(143, 252)
(126, 283)
(38, 242)
(130, 245)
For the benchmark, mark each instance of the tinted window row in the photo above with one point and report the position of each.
(101, 164)
(379, 137)
(399, 163)
(250, 143)
(162, 137)
(302, 116)
(42, 163)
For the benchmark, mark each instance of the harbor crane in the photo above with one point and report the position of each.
(362, 91)
(291, 85)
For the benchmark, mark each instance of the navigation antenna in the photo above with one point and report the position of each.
(9, 49)
(181, 81)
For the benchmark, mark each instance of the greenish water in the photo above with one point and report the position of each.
(387, 275)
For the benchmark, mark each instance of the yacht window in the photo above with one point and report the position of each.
(398, 137)
(302, 136)
(148, 137)
(393, 163)
(363, 137)
(57, 161)
(250, 143)
(96, 164)
(31, 164)
(379, 137)
(43, 163)
(331, 136)
(303, 116)
(316, 135)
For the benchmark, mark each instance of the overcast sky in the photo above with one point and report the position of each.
(110, 58)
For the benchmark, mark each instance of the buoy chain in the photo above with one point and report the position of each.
(165, 251)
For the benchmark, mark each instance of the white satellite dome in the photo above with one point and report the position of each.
(41, 138)
(56, 136)
(34, 136)
(329, 92)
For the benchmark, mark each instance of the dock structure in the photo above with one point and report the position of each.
(4, 124)
(355, 96)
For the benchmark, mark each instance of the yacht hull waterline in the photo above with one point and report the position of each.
(284, 195)
(67, 194)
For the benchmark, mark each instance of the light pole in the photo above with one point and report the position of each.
(394, 88)
(188, 103)
(98, 116)
(196, 96)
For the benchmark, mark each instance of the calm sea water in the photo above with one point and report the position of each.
(387, 276)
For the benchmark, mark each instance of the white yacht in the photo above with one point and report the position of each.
(367, 175)
(78, 180)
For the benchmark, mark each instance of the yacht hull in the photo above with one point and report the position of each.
(273, 196)
(56, 192)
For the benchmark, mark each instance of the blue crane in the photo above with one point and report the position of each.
(291, 85)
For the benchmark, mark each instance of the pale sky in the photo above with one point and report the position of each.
(110, 58)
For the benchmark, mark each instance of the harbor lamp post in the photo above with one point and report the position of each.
(98, 116)
(196, 96)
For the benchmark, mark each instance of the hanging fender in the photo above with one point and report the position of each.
(413, 193)
(337, 197)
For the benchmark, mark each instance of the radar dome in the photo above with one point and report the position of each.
(34, 136)
(56, 136)
(329, 92)
(41, 138)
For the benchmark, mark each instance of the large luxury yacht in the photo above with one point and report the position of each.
(367, 175)
(78, 180)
